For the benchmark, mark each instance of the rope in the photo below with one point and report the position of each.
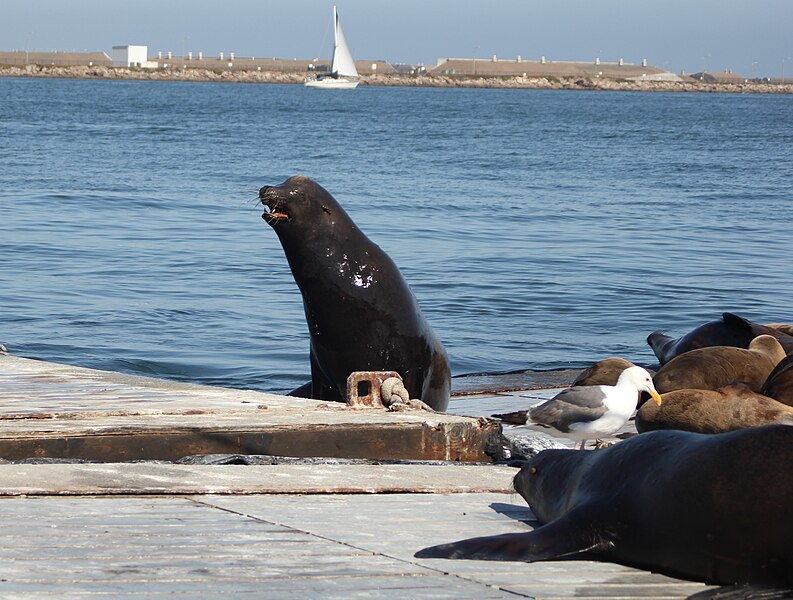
(395, 397)
(393, 391)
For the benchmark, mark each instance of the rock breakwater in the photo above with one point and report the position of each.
(551, 83)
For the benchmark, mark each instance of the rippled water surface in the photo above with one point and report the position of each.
(539, 229)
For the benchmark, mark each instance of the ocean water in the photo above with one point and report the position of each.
(538, 229)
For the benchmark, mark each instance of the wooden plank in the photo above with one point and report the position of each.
(461, 441)
(49, 410)
(516, 380)
(148, 478)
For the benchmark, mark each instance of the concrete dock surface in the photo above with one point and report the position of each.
(324, 530)
(285, 546)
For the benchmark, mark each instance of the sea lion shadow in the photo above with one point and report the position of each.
(516, 512)
(743, 592)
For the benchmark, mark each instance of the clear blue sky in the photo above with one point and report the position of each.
(751, 38)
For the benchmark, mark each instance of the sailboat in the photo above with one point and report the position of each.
(343, 74)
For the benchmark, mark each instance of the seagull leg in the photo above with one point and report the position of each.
(599, 444)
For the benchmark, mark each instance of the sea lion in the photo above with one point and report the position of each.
(729, 408)
(779, 384)
(731, 330)
(361, 314)
(785, 328)
(716, 366)
(603, 372)
(711, 508)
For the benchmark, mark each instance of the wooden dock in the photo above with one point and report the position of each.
(49, 410)
(151, 529)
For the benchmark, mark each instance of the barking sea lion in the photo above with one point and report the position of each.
(361, 314)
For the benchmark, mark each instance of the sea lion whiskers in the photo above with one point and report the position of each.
(273, 205)
(255, 200)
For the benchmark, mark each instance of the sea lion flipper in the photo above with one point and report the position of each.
(659, 341)
(304, 391)
(562, 537)
(736, 321)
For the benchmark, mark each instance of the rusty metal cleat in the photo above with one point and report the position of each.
(363, 388)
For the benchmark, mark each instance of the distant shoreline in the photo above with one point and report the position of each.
(441, 81)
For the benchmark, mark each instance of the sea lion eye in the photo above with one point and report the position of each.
(534, 470)
(326, 209)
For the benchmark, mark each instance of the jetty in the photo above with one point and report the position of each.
(114, 485)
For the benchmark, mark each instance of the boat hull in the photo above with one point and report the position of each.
(330, 83)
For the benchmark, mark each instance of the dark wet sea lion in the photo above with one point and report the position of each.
(361, 314)
(779, 384)
(729, 408)
(714, 367)
(730, 330)
(712, 508)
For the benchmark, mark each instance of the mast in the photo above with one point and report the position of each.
(342, 63)
(335, 30)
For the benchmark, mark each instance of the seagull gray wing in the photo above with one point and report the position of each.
(585, 396)
(576, 405)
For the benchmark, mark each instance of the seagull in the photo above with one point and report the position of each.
(589, 412)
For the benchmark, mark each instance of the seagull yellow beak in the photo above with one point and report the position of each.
(656, 397)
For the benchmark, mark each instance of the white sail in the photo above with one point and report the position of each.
(343, 74)
(342, 63)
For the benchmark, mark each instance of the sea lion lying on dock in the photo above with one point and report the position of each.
(729, 408)
(711, 508)
(603, 372)
(714, 367)
(361, 314)
(730, 330)
(607, 372)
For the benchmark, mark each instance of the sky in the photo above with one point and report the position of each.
(752, 39)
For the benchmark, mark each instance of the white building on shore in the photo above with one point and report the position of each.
(132, 56)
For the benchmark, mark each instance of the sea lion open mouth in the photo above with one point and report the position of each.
(273, 205)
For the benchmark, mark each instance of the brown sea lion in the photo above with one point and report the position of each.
(729, 408)
(603, 372)
(361, 314)
(779, 384)
(711, 508)
(785, 328)
(606, 372)
(731, 330)
(714, 367)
